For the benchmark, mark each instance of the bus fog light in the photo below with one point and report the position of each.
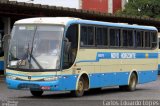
(51, 78)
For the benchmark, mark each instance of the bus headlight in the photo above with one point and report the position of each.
(53, 78)
(11, 77)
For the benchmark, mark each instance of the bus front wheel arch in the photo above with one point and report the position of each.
(82, 85)
(133, 80)
(86, 81)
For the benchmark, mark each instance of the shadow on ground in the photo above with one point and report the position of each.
(67, 95)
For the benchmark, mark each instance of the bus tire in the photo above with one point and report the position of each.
(80, 88)
(132, 83)
(36, 93)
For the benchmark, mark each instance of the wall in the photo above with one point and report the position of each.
(105, 6)
(96, 5)
(117, 5)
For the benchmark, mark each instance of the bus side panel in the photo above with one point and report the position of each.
(67, 82)
(122, 78)
(95, 80)
(109, 79)
(114, 79)
(147, 76)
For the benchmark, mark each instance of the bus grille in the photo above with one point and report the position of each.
(29, 86)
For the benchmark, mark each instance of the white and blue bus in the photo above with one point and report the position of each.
(71, 54)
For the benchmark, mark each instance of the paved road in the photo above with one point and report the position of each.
(149, 91)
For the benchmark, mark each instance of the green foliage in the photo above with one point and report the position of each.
(142, 8)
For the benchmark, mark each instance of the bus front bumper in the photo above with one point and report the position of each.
(33, 85)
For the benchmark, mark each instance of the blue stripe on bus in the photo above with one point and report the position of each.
(121, 55)
(111, 24)
(1, 65)
(68, 82)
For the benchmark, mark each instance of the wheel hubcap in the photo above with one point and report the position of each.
(80, 87)
(133, 82)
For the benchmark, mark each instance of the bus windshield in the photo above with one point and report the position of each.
(35, 47)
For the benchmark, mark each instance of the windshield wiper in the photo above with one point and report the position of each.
(34, 59)
(30, 53)
(29, 60)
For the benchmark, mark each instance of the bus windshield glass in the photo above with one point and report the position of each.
(35, 47)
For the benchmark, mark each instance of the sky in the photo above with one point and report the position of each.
(64, 3)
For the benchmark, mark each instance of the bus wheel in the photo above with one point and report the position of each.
(80, 88)
(132, 83)
(36, 93)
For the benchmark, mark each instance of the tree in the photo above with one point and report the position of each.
(142, 8)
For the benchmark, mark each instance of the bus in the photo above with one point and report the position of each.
(77, 55)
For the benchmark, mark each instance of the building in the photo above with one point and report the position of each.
(105, 6)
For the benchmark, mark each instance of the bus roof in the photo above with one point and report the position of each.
(71, 20)
(46, 20)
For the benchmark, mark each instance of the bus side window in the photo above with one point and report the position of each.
(127, 38)
(101, 36)
(87, 36)
(139, 39)
(147, 40)
(114, 35)
(154, 39)
(72, 36)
